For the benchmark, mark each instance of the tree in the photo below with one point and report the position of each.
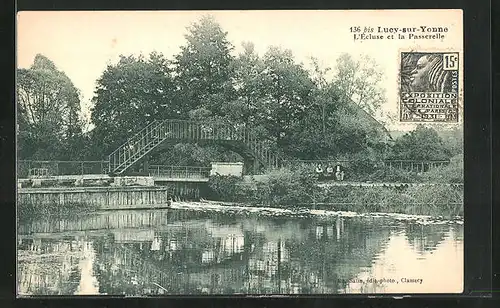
(360, 81)
(192, 154)
(129, 95)
(453, 140)
(48, 111)
(345, 131)
(288, 91)
(203, 67)
(247, 79)
(423, 143)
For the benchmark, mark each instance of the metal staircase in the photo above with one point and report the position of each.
(240, 139)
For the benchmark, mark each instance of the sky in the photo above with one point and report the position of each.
(83, 43)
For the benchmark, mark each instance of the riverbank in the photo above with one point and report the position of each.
(289, 189)
(432, 200)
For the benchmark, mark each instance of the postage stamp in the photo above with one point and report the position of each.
(429, 87)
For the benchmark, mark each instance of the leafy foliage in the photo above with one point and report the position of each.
(203, 67)
(453, 140)
(192, 154)
(451, 173)
(283, 187)
(225, 188)
(360, 81)
(129, 95)
(299, 112)
(289, 188)
(423, 143)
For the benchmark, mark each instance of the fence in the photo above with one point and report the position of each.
(417, 166)
(410, 165)
(179, 171)
(37, 168)
(314, 163)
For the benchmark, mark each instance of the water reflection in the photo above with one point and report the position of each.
(195, 252)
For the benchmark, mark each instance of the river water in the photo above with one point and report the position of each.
(185, 251)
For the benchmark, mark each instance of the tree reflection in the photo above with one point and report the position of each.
(425, 238)
(189, 252)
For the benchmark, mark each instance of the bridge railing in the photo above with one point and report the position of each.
(203, 130)
(40, 168)
(179, 172)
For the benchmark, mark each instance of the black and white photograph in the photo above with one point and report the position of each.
(239, 152)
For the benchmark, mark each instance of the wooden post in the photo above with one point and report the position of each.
(146, 164)
(82, 168)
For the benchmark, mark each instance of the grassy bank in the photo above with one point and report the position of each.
(437, 200)
(453, 173)
(298, 188)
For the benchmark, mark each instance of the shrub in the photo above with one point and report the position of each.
(224, 188)
(437, 200)
(386, 174)
(362, 164)
(287, 187)
(452, 173)
(281, 187)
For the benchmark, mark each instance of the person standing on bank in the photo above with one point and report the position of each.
(329, 172)
(339, 173)
(319, 171)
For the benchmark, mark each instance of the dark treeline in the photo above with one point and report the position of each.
(299, 110)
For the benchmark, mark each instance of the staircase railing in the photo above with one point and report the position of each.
(135, 148)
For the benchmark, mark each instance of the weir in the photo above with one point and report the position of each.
(105, 198)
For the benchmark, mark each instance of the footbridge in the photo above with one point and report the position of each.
(240, 139)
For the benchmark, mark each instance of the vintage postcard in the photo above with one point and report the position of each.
(240, 152)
